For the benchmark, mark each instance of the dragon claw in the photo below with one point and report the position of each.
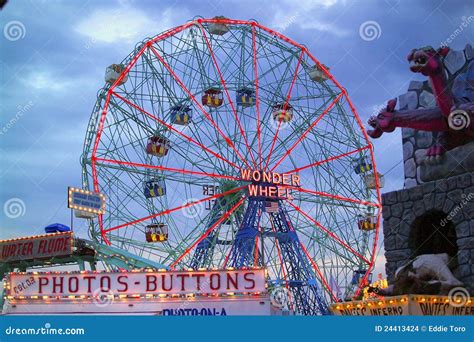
(435, 154)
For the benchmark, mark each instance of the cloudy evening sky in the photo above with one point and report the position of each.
(51, 73)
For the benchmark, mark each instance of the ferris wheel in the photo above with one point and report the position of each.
(221, 143)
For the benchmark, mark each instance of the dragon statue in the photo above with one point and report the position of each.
(451, 121)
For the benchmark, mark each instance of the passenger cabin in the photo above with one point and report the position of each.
(213, 97)
(370, 182)
(282, 112)
(113, 72)
(367, 222)
(362, 165)
(158, 146)
(317, 74)
(358, 275)
(245, 97)
(154, 188)
(156, 232)
(218, 28)
(181, 115)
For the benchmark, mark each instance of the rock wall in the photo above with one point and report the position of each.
(453, 196)
(460, 73)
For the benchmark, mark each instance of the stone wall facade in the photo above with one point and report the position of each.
(454, 197)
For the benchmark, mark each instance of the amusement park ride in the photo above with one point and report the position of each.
(238, 107)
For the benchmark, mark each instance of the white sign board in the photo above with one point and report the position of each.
(136, 283)
(86, 201)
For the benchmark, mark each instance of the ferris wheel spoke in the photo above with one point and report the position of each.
(231, 103)
(285, 108)
(174, 130)
(168, 211)
(257, 97)
(193, 98)
(169, 169)
(337, 197)
(327, 231)
(208, 231)
(315, 122)
(318, 272)
(327, 160)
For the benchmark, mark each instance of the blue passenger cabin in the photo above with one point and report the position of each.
(181, 115)
(245, 97)
(154, 188)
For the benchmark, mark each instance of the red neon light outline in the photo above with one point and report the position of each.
(271, 32)
(169, 211)
(328, 159)
(171, 128)
(214, 60)
(163, 168)
(206, 114)
(318, 271)
(257, 99)
(287, 153)
(207, 232)
(337, 197)
(288, 96)
(327, 231)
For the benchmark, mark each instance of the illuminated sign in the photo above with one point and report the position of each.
(224, 305)
(404, 305)
(142, 283)
(270, 184)
(36, 247)
(86, 201)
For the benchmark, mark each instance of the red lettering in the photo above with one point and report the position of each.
(43, 281)
(58, 284)
(150, 280)
(41, 247)
(234, 281)
(89, 282)
(105, 280)
(182, 276)
(163, 282)
(214, 285)
(73, 284)
(124, 283)
(249, 279)
(198, 280)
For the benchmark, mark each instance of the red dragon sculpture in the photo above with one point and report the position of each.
(453, 118)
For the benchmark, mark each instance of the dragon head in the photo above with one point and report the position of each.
(427, 60)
